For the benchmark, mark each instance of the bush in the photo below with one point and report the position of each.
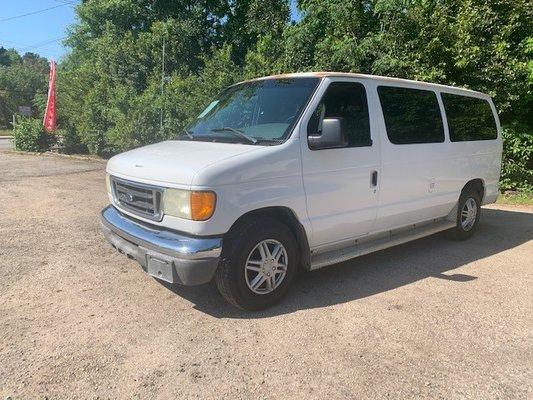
(517, 165)
(29, 135)
(71, 142)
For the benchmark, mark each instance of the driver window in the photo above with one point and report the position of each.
(346, 101)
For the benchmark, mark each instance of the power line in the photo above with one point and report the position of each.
(34, 12)
(24, 46)
(14, 43)
(41, 44)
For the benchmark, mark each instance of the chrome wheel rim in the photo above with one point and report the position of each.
(468, 214)
(266, 266)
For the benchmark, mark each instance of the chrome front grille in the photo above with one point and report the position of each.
(138, 198)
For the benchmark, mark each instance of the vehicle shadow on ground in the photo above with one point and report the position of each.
(431, 257)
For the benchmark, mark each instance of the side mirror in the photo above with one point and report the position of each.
(331, 136)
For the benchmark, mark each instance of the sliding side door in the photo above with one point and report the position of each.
(412, 145)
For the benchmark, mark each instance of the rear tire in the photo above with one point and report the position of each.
(258, 263)
(468, 214)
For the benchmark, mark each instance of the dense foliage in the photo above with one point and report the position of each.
(23, 82)
(517, 168)
(29, 135)
(111, 97)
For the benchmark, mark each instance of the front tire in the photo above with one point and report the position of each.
(259, 261)
(468, 213)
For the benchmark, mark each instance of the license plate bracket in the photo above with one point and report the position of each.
(160, 268)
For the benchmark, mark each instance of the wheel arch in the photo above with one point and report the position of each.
(288, 217)
(477, 185)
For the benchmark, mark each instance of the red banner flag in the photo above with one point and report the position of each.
(49, 121)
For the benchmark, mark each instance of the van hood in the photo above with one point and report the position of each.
(172, 162)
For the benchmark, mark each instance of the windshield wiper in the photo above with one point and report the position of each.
(238, 132)
(270, 141)
(186, 132)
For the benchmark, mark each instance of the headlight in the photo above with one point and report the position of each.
(195, 205)
(108, 183)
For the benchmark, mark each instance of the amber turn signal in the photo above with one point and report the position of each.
(202, 205)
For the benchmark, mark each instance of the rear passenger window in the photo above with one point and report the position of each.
(346, 101)
(411, 115)
(469, 118)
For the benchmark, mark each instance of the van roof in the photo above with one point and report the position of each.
(322, 74)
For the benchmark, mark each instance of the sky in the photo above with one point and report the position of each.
(46, 25)
(41, 32)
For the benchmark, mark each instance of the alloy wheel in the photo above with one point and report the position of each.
(266, 266)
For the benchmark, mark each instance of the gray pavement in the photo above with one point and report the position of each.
(5, 143)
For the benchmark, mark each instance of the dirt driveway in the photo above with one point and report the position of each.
(429, 319)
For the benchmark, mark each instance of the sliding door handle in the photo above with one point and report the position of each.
(374, 178)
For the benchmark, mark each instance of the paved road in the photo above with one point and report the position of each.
(5, 144)
(430, 319)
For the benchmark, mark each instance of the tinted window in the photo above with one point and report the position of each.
(469, 118)
(347, 101)
(411, 115)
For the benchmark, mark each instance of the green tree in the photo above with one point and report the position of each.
(22, 80)
(110, 83)
(111, 96)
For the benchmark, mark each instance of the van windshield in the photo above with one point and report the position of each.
(256, 112)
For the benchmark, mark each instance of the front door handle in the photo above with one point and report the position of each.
(374, 178)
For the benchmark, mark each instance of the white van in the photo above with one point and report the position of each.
(303, 170)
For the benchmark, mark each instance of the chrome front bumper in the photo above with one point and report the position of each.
(164, 254)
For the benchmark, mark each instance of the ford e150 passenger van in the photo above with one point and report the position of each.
(303, 170)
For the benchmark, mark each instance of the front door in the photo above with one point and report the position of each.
(341, 184)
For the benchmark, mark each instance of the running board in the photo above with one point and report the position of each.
(381, 241)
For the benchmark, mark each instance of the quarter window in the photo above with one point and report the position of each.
(411, 115)
(469, 118)
(346, 101)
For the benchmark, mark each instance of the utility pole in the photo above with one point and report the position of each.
(162, 85)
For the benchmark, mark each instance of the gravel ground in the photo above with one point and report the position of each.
(428, 319)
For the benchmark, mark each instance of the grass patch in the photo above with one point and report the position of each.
(6, 132)
(516, 198)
